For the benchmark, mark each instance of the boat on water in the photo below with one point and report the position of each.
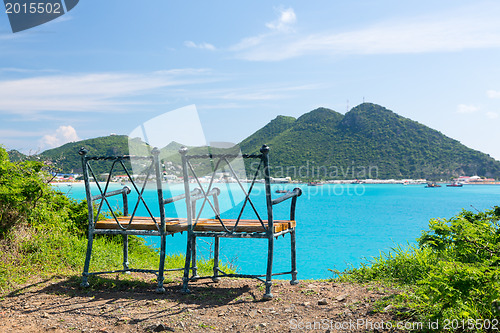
(455, 184)
(282, 191)
(429, 185)
(314, 184)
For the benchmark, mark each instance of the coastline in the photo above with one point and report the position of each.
(328, 182)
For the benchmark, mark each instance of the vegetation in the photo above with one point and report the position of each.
(453, 275)
(369, 141)
(16, 156)
(67, 160)
(43, 233)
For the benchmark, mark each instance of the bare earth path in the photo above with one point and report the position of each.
(233, 305)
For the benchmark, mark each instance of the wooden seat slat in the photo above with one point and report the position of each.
(174, 225)
(243, 225)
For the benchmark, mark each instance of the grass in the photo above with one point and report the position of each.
(36, 254)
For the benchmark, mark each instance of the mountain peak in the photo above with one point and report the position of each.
(275, 127)
(320, 115)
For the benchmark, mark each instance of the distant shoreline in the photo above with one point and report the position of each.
(336, 182)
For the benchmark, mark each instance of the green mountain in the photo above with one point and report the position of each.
(16, 156)
(369, 141)
(66, 159)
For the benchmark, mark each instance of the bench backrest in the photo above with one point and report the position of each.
(121, 164)
(220, 160)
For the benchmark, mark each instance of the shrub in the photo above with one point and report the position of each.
(453, 273)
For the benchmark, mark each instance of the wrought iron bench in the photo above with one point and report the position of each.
(218, 227)
(129, 223)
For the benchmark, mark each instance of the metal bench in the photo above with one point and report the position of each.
(128, 223)
(219, 227)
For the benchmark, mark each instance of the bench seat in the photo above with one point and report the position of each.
(243, 226)
(173, 225)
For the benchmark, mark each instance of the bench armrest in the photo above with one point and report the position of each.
(195, 194)
(213, 192)
(297, 192)
(124, 190)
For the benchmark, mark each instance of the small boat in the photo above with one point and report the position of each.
(429, 185)
(282, 191)
(455, 184)
(314, 184)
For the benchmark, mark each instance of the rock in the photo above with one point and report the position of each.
(388, 307)
(306, 303)
(221, 314)
(162, 328)
(323, 301)
(252, 313)
(341, 298)
(288, 310)
(124, 319)
(263, 325)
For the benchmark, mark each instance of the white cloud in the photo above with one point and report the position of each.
(442, 32)
(4, 36)
(203, 46)
(62, 135)
(285, 21)
(26, 70)
(462, 108)
(491, 115)
(493, 94)
(98, 92)
(255, 93)
(18, 133)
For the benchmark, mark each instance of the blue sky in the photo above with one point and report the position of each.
(108, 66)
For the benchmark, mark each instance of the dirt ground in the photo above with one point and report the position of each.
(232, 305)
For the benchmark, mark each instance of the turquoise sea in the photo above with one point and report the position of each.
(337, 225)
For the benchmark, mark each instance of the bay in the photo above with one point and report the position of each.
(337, 224)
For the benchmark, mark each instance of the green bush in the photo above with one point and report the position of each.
(453, 274)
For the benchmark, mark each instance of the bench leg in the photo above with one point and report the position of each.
(216, 277)
(161, 268)
(268, 295)
(125, 253)
(85, 274)
(294, 280)
(194, 267)
(185, 279)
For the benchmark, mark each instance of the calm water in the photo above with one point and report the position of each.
(338, 225)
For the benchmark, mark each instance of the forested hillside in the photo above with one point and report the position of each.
(369, 141)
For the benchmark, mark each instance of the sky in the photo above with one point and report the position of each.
(109, 66)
